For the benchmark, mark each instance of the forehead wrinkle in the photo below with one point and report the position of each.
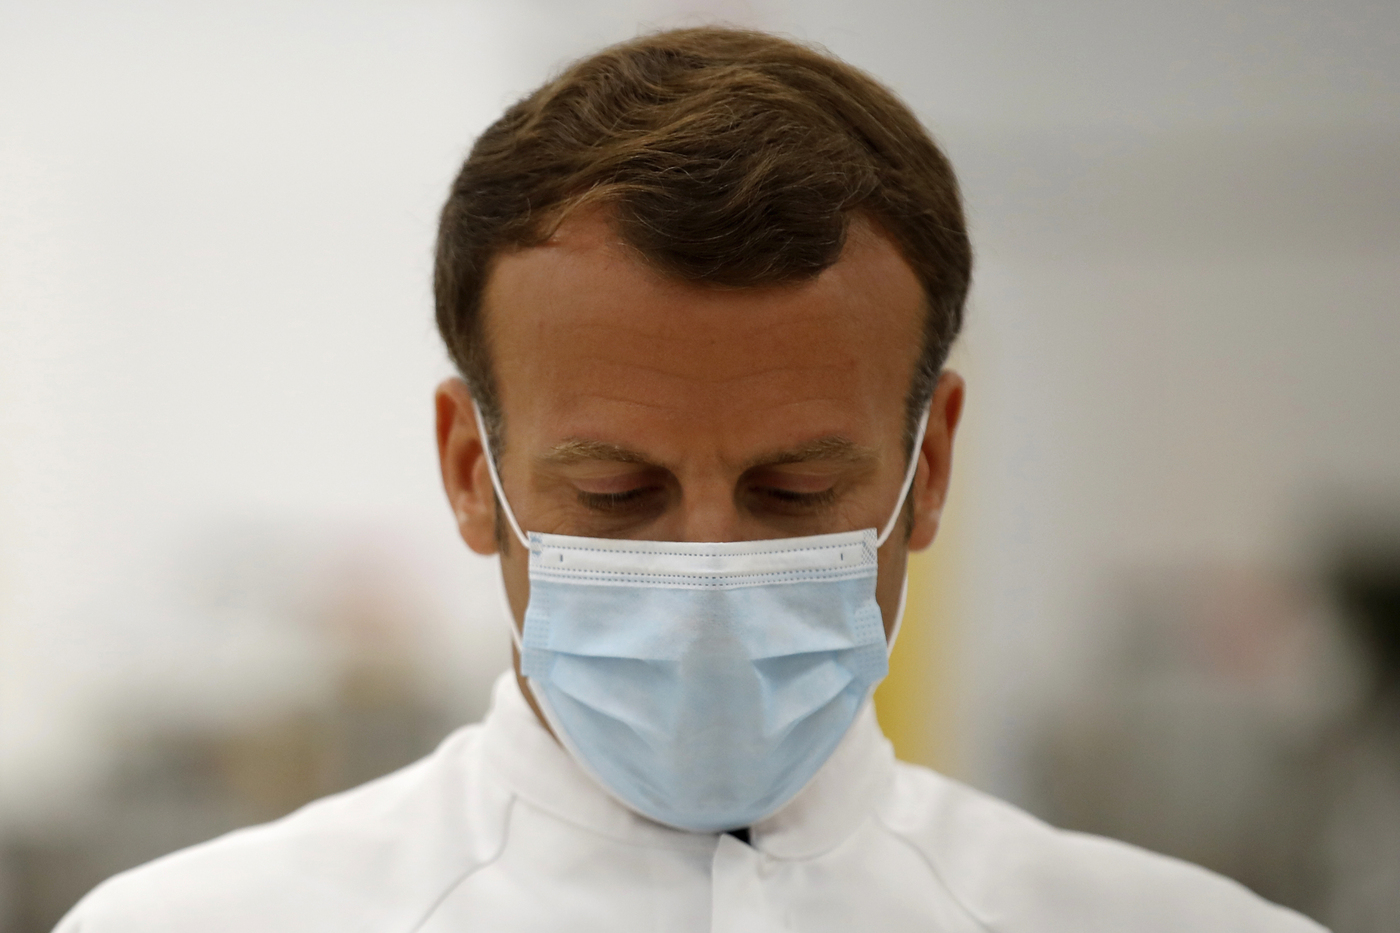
(677, 391)
(704, 374)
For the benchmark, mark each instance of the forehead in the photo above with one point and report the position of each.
(586, 337)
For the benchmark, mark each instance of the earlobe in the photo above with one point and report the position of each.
(930, 489)
(926, 511)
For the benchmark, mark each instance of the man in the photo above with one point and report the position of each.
(700, 289)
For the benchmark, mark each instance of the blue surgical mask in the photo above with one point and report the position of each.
(703, 684)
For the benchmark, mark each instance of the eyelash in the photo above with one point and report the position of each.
(613, 501)
(804, 499)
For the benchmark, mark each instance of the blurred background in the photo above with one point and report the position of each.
(1166, 602)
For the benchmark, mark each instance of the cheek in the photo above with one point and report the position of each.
(516, 575)
(889, 583)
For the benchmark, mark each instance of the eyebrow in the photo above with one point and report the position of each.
(833, 448)
(579, 451)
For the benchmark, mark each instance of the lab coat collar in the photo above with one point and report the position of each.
(844, 792)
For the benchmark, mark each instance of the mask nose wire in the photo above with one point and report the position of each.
(515, 526)
(908, 479)
(496, 477)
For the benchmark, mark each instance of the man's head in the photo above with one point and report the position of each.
(729, 158)
(701, 284)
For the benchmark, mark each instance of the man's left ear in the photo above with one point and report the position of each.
(930, 489)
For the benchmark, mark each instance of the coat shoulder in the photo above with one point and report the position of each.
(1017, 874)
(359, 860)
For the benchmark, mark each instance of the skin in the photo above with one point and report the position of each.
(639, 406)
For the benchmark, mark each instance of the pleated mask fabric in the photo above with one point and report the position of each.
(703, 684)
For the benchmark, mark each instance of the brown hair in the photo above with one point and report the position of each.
(727, 157)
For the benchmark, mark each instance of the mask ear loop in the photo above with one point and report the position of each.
(506, 610)
(894, 519)
(496, 477)
(899, 614)
(908, 479)
(508, 613)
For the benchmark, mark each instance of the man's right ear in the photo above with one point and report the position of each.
(465, 475)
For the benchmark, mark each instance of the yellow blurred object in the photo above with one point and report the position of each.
(914, 703)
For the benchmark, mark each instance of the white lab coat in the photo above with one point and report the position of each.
(499, 831)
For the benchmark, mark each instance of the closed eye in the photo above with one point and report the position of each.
(789, 497)
(616, 501)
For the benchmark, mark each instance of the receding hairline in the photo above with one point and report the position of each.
(863, 226)
(865, 231)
